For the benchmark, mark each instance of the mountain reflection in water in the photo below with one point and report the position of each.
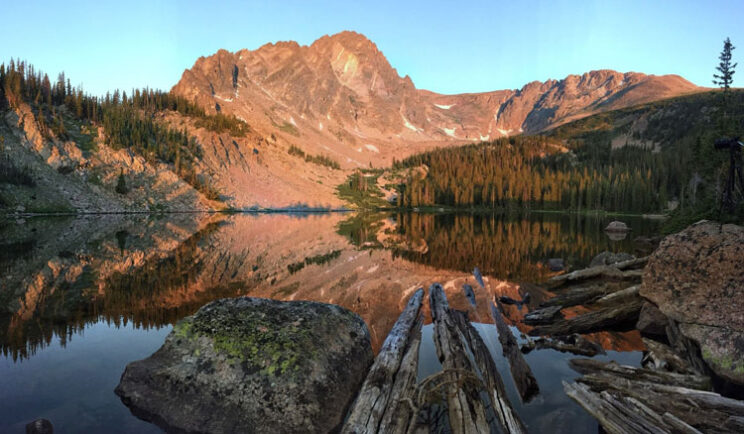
(100, 279)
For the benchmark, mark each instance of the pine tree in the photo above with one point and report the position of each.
(121, 184)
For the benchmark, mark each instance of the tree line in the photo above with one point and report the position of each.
(129, 121)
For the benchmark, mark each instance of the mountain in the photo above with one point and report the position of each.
(340, 96)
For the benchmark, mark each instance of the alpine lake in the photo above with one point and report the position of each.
(80, 297)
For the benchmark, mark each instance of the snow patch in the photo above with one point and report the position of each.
(292, 121)
(408, 124)
(223, 99)
(450, 131)
(372, 148)
(484, 138)
(503, 132)
(359, 149)
(445, 107)
(320, 126)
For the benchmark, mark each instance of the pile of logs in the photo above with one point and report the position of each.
(639, 400)
(466, 396)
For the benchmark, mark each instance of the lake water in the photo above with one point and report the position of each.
(82, 297)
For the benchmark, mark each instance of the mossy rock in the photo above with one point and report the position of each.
(253, 365)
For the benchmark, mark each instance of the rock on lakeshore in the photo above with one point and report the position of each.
(696, 278)
(253, 365)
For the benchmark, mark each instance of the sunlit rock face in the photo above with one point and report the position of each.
(250, 362)
(696, 278)
(340, 94)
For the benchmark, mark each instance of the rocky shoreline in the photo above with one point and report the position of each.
(221, 370)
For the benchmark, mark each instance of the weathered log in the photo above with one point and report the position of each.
(469, 294)
(614, 271)
(508, 300)
(575, 344)
(620, 296)
(579, 295)
(591, 366)
(478, 277)
(545, 315)
(399, 414)
(466, 409)
(520, 370)
(376, 393)
(471, 407)
(677, 425)
(703, 410)
(603, 319)
(615, 415)
(660, 356)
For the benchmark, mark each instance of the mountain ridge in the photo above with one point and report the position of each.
(341, 90)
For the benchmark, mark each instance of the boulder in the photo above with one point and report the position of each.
(556, 264)
(651, 321)
(617, 226)
(609, 258)
(40, 426)
(253, 365)
(696, 279)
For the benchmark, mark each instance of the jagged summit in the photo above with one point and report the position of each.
(341, 90)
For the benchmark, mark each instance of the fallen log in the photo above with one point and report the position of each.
(544, 315)
(399, 415)
(469, 294)
(376, 395)
(615, 414)
(471, 405)
(575, 344)
(603, 319)
(579, 295)
(620, 296)
(702, 410)
(520, 370)
(591, 366)
(478, 277)
(613, 271)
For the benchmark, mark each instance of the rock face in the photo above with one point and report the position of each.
(253, 365)
(696, 278)
(341, 92)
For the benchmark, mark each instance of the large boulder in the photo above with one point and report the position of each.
(696, 278)
(617, 226)
(253, 365)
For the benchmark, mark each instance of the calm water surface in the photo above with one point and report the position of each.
(82, 297)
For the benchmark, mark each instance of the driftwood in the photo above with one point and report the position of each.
(575, 344)
(705, 411)
(613, 271)
(478, 277)
(579, 295)
(399, 415)
(520, 370)
(616, 414)
(469, 294)
(603, 319)
(377, 395)
(589, 366)
(662, 357)
(474, 402)
(508, 300)
(545, 315)
(620, 296)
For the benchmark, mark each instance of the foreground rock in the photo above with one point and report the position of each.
(253, 365)
(696, 278)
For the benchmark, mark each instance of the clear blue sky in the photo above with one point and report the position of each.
(442, 45)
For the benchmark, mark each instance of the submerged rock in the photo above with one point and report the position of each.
(40, 426)
(696, 278)
(253, 365)
(617, 226)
